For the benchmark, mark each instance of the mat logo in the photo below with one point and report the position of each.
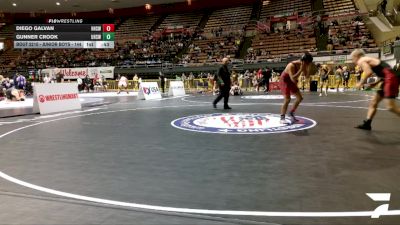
(149, 90)
(240, 123)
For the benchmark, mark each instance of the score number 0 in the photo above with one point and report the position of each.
(108, 27)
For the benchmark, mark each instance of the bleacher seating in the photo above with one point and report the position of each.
(7, 31)
(185, 20)
(284, 7)
(213, 49)
(135, 27)
(272, 46)
(338, 6)
(346, 30)
(279, 45)
(226, 18)
(9, 55)
(346, 35)
(222, 35)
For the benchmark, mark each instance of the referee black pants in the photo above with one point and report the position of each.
(223, 93)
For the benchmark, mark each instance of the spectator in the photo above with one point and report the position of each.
(191, 80)
(357, 30)
(47, 80)
(240, 80)
(59, 77)
(184, 79)
(234, 76)
(104, 83)
(383, 6)
(140, 81)
(136, 82)
(346, 77)
(247, 79)
(338, 77)
(364, 41)
(87, 83)
(254, 81)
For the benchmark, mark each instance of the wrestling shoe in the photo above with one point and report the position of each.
(284, 121)
(293, 117)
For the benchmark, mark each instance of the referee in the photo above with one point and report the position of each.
(223, 79)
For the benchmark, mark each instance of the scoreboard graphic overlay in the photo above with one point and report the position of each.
(59, 33)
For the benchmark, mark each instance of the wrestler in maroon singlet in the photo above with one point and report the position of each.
(288, 84)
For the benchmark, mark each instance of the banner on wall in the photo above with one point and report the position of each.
(80, 72)
(52, 98)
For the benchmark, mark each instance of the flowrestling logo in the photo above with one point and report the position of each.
(241, 123)
(52, 98)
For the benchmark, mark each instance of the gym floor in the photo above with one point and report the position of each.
(124, 163)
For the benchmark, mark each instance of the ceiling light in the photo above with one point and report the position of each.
(14, 4)
(147, 6)
(57, 3)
